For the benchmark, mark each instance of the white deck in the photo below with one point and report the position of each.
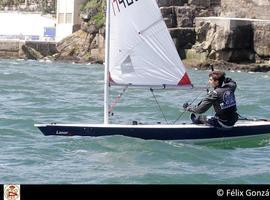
(239, 123)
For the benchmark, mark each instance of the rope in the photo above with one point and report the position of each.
(151, 89)
(182, 113)
(117, 99)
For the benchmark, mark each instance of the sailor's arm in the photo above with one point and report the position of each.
(205, 104)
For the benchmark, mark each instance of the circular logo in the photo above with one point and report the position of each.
(220, 192)
(12, 192)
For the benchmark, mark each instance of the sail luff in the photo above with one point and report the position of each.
(106, 69)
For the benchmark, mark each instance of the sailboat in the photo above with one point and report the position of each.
(141, 53)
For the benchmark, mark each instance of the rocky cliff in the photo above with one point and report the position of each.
(255, 9)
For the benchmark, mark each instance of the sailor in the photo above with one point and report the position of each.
(222, 98)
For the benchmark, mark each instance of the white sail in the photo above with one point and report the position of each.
(142, 51)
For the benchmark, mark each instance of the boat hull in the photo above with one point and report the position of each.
(157, 132)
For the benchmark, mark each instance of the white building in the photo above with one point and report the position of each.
(34, 26)
(25, 26)
(68, 17)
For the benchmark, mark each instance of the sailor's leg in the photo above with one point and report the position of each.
(224, 123)
(198, 119)
(213, 121)
(209, 120)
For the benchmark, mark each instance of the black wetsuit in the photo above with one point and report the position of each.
(224, 103)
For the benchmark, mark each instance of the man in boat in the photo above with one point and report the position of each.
(222, 98)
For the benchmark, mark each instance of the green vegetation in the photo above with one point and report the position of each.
(95, 9)
(93, 4)
(87, 56)
(45, 6)
(99, 19)
(11, 2)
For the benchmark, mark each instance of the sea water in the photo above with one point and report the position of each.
(44, 92)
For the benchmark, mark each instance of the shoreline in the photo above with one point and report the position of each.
(190, 63)
(227, 66)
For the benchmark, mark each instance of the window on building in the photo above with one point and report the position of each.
(61, 18)
(68, 17)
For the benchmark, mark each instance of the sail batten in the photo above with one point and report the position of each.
(142, 52)
(154, 23)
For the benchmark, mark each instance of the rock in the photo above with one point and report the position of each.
(226, 66)
(169, 17)
(192, 54)
(31, 53)
(262, 40)
(82, 46)
(255, 9)
(162, 3)
(184, 38)
(184, 16)
(201, 3)
(89, 27)
(225, 39)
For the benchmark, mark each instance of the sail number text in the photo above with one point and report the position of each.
(117, 5)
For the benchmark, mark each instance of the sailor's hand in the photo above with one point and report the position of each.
(186, 105)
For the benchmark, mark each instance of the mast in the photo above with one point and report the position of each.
(106, 69)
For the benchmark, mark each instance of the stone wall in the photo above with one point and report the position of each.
(179, 16)
(255, 9)
(262, 40)
(26, 49)
(225, 39)
(10, 49)
(232, 39)
(45, 48)
(166, 3)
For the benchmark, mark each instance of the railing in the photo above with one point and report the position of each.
(26, 38)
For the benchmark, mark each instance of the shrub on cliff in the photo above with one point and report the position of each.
(93, 12)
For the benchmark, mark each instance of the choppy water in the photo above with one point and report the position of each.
(39, 92)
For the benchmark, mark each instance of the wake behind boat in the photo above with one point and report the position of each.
(140, 52)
